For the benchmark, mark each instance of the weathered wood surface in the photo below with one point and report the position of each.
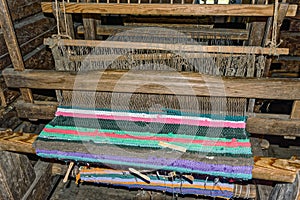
(291, 41)
(170, 47)
(296, 111)
(274, 169)
(214, 33)
(175, 9)
(30, 34)
(40, 58)
(42, 184)
(17, 142)
(154, 82)
(12, 45)
(284, 191)
(280, 127)
(38, 110)
(16, 175)
(24, 8)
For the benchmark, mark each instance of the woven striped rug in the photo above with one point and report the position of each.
(209, 145)
(176, 185)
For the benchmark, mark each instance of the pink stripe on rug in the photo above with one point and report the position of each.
(232, 143)
(191, 122)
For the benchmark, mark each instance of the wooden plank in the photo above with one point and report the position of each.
(279, 127)
(215, 33)
(296, 111)
(174, 10)
(38, 110)
(12, 45)
(170, 47)
(17, 142)
(42, 185)
(283, 191)
(274, 169)
(16, 175)
(30, 34)
(90, 24)
(257, 33)
(155, 82)
(24, 8)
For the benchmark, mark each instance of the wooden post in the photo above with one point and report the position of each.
(16, 175)
(12, 45)
(89, 24)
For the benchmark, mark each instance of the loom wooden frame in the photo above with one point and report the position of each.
(249, 10)
(171, 47)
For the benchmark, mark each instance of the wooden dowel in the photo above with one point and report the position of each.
(139, 174)
(172, 146)
(68, 172)
(185, 31)
(173, 10)
(169, 47)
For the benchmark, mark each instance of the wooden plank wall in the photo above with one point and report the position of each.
(31, 27)
(289, 66)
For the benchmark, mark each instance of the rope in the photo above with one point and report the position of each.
(273, 43)
(59, 35)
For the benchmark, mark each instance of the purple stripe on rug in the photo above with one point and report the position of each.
(187, 164)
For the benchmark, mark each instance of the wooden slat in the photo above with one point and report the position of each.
(175, 9)
(296, 111)
(18, 142)
(279, 127)
(170, 47)
(38, 110)
(12, 45)
(155, 82)
(274, 169)
(233, 34)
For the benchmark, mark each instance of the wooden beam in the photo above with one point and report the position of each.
(181, 48)
(17, 142)
(37, 110)
(279, 127)
(206, 33)
(12, 45)
(275, 169)
(155, 82)
(167, 9)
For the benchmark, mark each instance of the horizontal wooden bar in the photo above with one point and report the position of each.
(279, 127)
(167, 9)
(155, 82)
(275, 169)
(36, 110)
(206, 33)
(181, 48)
(17, 142)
